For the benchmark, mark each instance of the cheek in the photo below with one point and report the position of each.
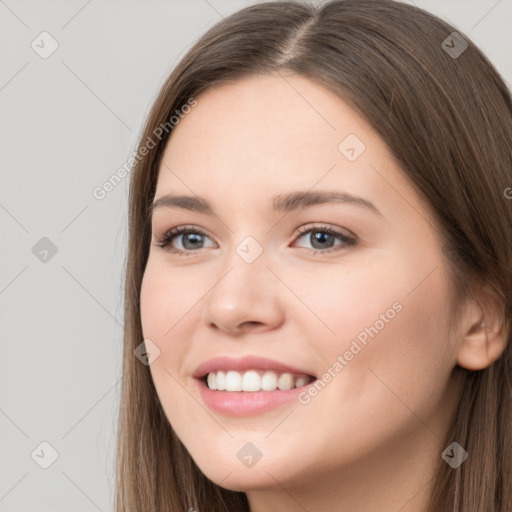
(346, 303)
(161, 308)
(389, 327)
(169, 304)
(400, 355)
(166, 296)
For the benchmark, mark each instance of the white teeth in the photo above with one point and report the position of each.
(221, 381)
(251, 381)
(212, 380)
(301, 381)
(233, 381)
(285, 382)
(254, 380)
(269, 381)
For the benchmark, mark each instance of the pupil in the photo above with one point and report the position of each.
(319, 236)
(192, 236)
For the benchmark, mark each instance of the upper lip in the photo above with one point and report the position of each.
(226, 363)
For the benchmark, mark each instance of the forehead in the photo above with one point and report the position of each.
(267, 115)
(255, 125)
(269, 134)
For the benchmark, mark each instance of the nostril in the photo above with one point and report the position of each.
(251, 322)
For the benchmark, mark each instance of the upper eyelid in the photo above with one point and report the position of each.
(298, 231)
(324, 226)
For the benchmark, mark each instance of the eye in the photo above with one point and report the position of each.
(192, 238)
(322, 238)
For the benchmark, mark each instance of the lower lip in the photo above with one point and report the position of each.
(246, 403)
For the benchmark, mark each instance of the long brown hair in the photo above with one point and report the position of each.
(447, 117)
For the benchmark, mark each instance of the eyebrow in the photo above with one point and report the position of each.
(279, 203)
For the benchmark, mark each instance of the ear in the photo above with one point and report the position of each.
(484, 330)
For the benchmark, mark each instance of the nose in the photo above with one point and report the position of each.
(244, 298)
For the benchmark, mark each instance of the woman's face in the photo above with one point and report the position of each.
(362, 308)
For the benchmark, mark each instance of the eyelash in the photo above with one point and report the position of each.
(163, 240)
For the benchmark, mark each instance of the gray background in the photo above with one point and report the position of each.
(69, 121)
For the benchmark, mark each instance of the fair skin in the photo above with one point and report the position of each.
(372, 437)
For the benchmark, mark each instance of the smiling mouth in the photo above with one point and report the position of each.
(255, 380)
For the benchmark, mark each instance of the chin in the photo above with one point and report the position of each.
(243, 481)
(233, 475)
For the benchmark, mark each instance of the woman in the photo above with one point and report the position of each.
(338, 335)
